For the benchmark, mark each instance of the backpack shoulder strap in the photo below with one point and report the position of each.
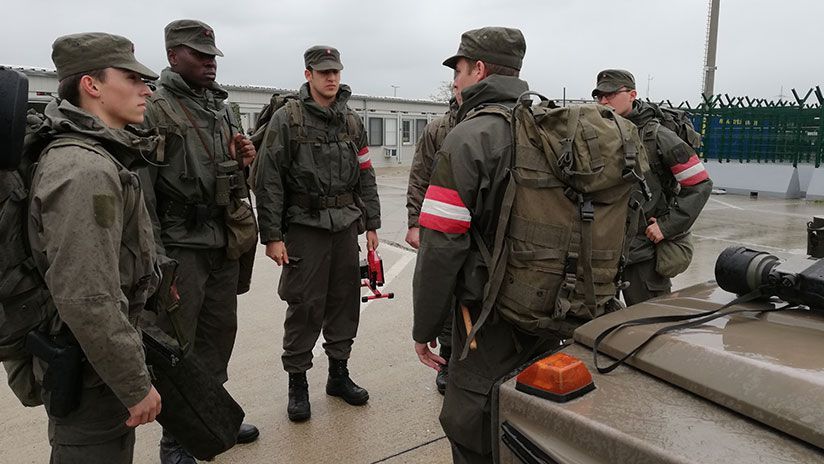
(170, 115)
(490, 108)
(353, 128)
(294, 112)
(67, 140)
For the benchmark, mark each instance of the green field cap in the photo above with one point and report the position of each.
(88, 51)
(193, 34)
(497, 45)
(322, 58)
(612, 80)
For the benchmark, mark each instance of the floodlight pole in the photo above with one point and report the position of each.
(709, 54)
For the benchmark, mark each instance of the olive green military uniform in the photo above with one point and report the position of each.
(467, 187)
(91, 234)
(198, 128)
(680, 187)
(419, 174)
(310, 180)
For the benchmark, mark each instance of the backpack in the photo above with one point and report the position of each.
(678, 121)
(292, 101)
(278, 100)
(294, 110)
(25, 302)
(567, 216)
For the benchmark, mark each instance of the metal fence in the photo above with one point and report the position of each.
(760, 131)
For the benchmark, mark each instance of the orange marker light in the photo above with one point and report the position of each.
(558, 377)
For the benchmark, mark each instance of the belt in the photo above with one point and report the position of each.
(197, 211)
(317, 202)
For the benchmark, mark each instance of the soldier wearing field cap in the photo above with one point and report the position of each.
(316, 191)
(201, 136)
(86, 216)
(466, 188)
(679, 183)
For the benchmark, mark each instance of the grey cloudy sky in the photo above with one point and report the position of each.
(763, 44)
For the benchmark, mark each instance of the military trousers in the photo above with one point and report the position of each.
(95, 432)
(207, 284)
(466, 415)
(644, 282)
(321, 284)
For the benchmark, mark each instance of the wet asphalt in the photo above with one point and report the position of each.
(399, 424)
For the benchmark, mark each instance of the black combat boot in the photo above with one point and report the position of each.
(443, 375)
(298, 408)
(339, 384)
(172, 453)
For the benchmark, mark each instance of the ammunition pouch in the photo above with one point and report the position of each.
(241, 228)
(673, 255)
(197, 410)
(316, 202)
(63, 379)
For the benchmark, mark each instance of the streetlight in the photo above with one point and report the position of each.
(394, 90)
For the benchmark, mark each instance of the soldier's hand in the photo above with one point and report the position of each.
(146, 410)
(413, 237)
(243, 146)
(277, 251)
(427, 357)
(372, 240)
(653, 231)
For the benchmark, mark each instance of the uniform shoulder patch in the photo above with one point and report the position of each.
(104, 210)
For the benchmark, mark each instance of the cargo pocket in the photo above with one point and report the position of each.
(465, 416)
(292, 284)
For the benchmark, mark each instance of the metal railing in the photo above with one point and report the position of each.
(760, 131)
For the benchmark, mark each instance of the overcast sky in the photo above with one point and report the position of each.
(762, 44)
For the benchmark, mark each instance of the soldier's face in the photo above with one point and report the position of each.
(198, 69)
(324, 83)
(466, 73)
(621, 100)
(122, 97)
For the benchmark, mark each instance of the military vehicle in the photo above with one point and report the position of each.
(744, 387)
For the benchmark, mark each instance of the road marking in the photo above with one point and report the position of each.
(755, 246)
(388, 277)
(726, 204)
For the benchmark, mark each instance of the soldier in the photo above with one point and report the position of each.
(419, 174)
(200, 133)
(316, 191)
(679, 183)
(91, 235)
(466, 188)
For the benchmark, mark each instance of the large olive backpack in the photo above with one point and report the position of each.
(570, 205)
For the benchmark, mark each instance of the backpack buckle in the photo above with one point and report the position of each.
(646, 190)
(587, 211)
(571, 264)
